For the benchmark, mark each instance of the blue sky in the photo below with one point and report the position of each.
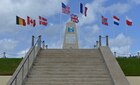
(15, 40)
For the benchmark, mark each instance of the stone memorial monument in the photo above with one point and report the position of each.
(70, 37)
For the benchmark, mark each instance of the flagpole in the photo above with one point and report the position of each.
(114, 34)
(126, 35)
(60, 22)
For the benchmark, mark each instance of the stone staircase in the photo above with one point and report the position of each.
(69, 67)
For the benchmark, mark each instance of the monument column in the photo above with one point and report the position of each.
(70, 36)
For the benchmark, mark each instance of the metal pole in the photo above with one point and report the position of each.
(100, 40)
(107, 41)
(115, 54)
(4, 54)
(39, 41)
(43, 44)
(46, 46)
(138, 54)
(97, 43)
(32, 40)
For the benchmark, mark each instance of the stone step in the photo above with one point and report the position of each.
(97, 71)
(68, 76)
(69, 69)
(64, 66)
(71, 58)
(57, 60)
(69, 51)
(64, 80)
(67, 72)
(68, 63)
(69, 83)
(71, 55)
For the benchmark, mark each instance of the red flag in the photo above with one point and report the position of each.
(31, 22)
(86, 11)
(104, 21)
(128, 21)
(42, 21)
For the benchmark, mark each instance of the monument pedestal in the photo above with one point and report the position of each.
(70, 37)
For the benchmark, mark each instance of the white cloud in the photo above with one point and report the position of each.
(95, 29)
(33, 8)
(121, 44)
(119, 8)
(93, 9)
(8, 44)
(22, 53)
(120, 40)
(53, 35)
(121, 51)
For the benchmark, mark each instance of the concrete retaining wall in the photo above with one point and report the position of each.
(116, 73)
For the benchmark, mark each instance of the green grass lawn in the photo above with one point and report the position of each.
(130, 66)
(8, 65)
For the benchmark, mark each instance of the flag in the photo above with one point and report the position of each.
(83, 9)
(65, 9)
(128, 21)
(20, 21)
(31, 21)
(42, 21)
(74, 18)
(104, 21)
(116, 20)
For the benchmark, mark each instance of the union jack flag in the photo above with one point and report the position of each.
(74, 18)
(65, 9)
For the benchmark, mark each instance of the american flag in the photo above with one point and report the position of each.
(65, 9)
(74, 18)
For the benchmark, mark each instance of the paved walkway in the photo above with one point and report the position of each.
(133, 80)
(4, 79)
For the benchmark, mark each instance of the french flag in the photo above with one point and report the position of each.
(128, 21)
(83, 9)
(116, 20)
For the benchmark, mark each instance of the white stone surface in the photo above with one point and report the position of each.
(4, 79)
(133, 80)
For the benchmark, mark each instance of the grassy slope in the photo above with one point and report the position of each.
(130, 66)
(8, 65)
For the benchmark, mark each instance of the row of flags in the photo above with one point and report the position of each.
(83, 10)
(74, 17)
(116, 21)
(30, 21)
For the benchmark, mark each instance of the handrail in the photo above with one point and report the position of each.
(25, 65)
